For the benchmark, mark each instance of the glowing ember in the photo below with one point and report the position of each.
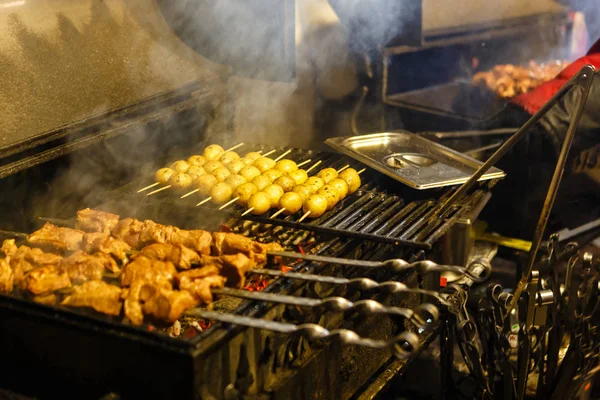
(285, 268)
(256, 284)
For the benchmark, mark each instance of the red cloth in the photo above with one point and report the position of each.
(534, 100)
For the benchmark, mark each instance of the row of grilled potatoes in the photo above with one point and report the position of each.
(259, 183)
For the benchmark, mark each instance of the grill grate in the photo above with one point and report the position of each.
(376, 212)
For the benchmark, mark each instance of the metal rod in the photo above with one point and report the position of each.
(584, 78)
(423, 316)
(362, 284)
(403, 345)
(517, 136)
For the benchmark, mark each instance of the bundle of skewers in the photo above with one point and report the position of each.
(257, 182)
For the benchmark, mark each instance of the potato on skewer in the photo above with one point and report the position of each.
(211, 166)
(221, 173)
(331, 195)
(195, 171)
(196, 160)
(290, 203)
(327, 174)
(264, 164)
(180, 180)
(341, 186)
(286, 166)
(299, 176)
(274, 192)
(213, 152)
(235, 180)
(229, 156)
(261, 182)
(272, 174)
(314, 183)
(258, 204)
(249, 158)
(221, 193)
(303, 191)
(286, 183)
(235, 166)
(180, 166)
(163, 175)
(314, 207)
(352, 178)
(249, 172)
(243, 192)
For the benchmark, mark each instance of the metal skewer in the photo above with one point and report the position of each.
(395, 265)
(361, 284)
(423, 316)
(404, 346)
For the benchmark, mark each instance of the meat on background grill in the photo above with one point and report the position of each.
(150, 254)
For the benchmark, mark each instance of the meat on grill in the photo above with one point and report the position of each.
(147, 270)
(89, 220)
(57, 238)
(82, 267)
(139, 234)
(231, 266)
(138, 273)
(98, 295)
(46, 279)
(165, 304)
(200, 281)
(178, 254)
(23, 259)
(103, 242)
(7, 276)
(232, 243)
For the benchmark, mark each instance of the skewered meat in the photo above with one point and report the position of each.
(165, 304)
(139, 234)
(102, 242)
(95, 221)
(23, 259)
(98, 295)
(46, 279)
(200, 281)
(7, 276)
(178, 254)
(233, 267)
(57, 238)
(147, 270)
(82, 267)
(231, 243)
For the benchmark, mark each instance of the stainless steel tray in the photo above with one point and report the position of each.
(411, 159)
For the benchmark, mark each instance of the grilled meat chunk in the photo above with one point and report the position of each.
(57, 238)
(232, 243)
(82, 267)
(98, 295)
(102, 242)
(147, 270)
(89, 220)
(23, 259)
(7, 276)
(231, 266)
(46, 279)
(139, 234)
(200, 281)
(178, 254)
(128, 230)
(165, 304)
